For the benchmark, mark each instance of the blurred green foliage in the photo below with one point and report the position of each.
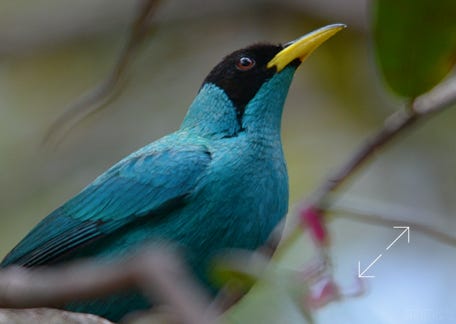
(415, 43)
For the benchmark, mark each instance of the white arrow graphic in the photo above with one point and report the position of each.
(406, 230)
(361, 274)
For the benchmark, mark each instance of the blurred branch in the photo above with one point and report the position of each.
(435, 101)
(388, 216)
(423, 107)
(48, 315)
(159, 273)
(107, 89)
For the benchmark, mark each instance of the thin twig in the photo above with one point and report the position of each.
(387, 216)
(159, 273)
(107, 89)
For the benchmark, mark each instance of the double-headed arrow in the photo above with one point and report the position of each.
(361, 274)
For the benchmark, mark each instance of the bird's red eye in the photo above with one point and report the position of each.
(245, 63)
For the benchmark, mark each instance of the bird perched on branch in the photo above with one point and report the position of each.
(219, 182)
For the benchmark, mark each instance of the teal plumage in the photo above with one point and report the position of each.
(218, 182)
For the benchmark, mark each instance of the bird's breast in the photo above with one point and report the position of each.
(245, 192)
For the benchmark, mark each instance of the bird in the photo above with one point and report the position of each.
(219, 182)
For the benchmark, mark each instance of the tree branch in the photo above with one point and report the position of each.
(435, 101)
(159, 273)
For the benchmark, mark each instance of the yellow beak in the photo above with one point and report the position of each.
(303, 46)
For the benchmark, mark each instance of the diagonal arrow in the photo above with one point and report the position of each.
(406, 230)
(361, 274)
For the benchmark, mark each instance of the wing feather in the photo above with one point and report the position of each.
(145, 183)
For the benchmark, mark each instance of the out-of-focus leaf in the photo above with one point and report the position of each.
(232, 276)
(238, 269)
(415, 43)
(223, 275)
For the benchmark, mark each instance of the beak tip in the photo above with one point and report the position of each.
(342, 25)
(338, 26)
(304, 45)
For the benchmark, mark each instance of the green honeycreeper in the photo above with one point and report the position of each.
(219, 182)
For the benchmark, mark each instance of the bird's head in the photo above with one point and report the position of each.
(247, 89)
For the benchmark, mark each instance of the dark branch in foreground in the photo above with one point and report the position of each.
(48, 316)
(159, 273)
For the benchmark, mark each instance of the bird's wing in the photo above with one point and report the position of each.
(151, 183)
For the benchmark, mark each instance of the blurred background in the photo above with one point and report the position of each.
(52, 51)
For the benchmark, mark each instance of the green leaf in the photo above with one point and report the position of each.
(223, 275)
(415, 43)
(238, 269)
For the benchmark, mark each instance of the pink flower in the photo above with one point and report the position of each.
(313, 219)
